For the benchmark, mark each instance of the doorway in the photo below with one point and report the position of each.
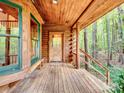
(55, 46)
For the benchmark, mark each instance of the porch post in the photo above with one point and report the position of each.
(77, 46)
(70, 47)
(63, 55)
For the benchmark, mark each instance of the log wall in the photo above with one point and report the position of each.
(27, 9)
(45, 44)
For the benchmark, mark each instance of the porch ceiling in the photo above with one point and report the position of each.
(68, 12)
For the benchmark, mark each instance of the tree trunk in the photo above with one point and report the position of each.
(120, 29)
(94, 40)
(123, 55)
(120, 23)
(113, 39)
(86, 47)
(108, 39)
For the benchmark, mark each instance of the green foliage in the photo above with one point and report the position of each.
(117, 76)
(115, 25)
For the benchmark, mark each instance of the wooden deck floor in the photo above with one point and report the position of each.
(60, 78)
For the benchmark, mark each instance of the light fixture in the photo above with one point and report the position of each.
(1, 10)
(55, 1)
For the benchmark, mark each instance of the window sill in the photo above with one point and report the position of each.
(12, 76)
(9, 71)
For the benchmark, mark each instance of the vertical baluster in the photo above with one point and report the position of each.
(107, 77)
(11, 59)
(15, 59)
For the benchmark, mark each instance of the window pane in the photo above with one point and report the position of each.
(8, 20)
(34, 39)
(8, 51)
(56, 41)
(13, 46)
(8, 27)
(2, 50)
(34, 45)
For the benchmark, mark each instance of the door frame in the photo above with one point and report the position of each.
(62, 41)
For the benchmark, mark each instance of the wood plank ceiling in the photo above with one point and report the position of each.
(68, 12)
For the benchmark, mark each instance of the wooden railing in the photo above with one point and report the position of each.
(9, 23)
(106, 75)
(74, 58)
(10, 59)
(13, 59)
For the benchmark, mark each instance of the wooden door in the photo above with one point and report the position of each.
(55, 47)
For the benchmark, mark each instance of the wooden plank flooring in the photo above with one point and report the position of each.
(60, 78)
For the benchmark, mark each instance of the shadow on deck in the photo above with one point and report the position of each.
(60, 78)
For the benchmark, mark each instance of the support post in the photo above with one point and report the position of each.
(85, 47)
(70, 47)
(63, 59)
(77, 47)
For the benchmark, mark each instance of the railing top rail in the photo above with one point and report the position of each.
(8, 21)
(94, 60)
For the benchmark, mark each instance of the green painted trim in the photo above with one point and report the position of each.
(18, 66)
(8, 72)
(20, 40)
(4, 68)
(34, 60)
(4, 35)
(8, 2)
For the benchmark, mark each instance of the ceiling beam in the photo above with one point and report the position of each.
(103, 9)
(83, 12)
(34, 2)
(54, 27)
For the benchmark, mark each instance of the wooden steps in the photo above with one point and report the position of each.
(61, 78)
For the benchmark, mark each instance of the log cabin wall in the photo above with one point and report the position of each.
(27, 9)
(45, 44)
(67, 47)
(66, 44)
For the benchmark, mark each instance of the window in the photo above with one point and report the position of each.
(10, 43)
(56, 41)
(35, 33)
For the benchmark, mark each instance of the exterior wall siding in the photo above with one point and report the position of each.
(27, 9)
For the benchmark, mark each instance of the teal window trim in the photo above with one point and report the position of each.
(34, 60)
(16, 67)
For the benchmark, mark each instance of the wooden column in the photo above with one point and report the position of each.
(85, 47)
(70, 47)
(77, 47)
(63, 59)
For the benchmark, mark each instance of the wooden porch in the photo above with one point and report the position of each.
(35, 32)
(60, 78)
